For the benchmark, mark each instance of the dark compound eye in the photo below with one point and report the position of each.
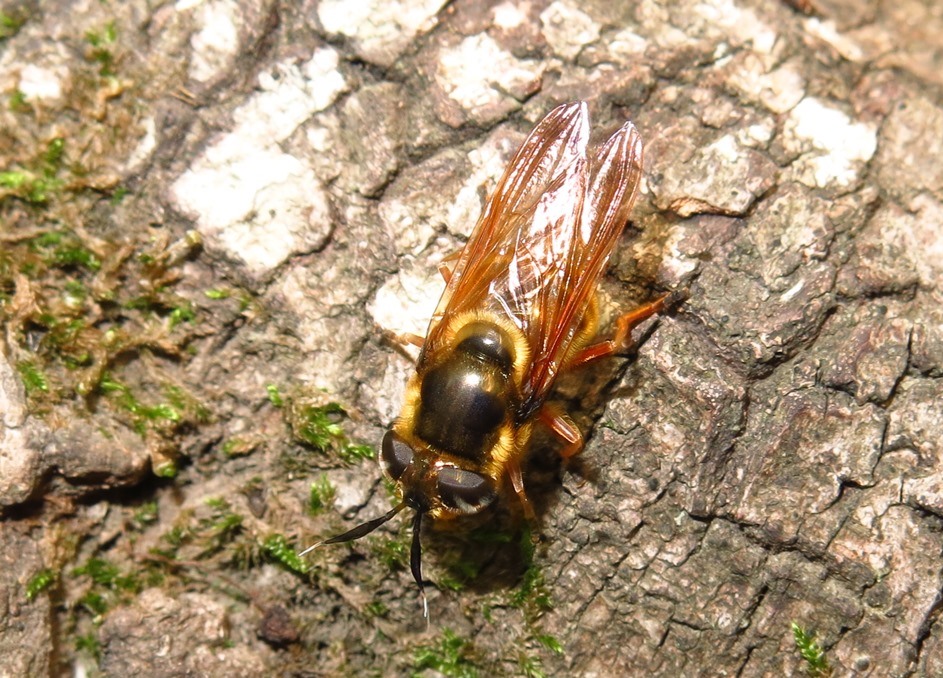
(464, 491)
(396, 455)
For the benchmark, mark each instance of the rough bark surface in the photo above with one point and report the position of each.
(772, 454)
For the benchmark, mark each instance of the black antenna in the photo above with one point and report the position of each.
(415, 554)
(359, 531)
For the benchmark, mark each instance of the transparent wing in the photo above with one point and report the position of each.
(543, 240)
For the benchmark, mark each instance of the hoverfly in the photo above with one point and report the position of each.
(518, 309)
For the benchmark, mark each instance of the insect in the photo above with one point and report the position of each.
(519, 308)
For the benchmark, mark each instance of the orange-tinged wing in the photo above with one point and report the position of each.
(543, 240)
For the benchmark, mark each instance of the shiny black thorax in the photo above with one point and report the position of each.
(464, 399)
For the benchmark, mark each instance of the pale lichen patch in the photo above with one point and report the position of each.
(627, 43)
(676, 264)
(908, 160)
(719, 177)
(834, 149)
(407, 300)
(379, 30)
(487, 165)
(289, 95)
(257, 203)
(146, 145)
(288, 211)
(567, 29)
(413, 212)
(779, 89)
(483, 99)
(216, 43)
(508, 15)
(925, 242)
(740, 25)
(41, 83)
(841, 41)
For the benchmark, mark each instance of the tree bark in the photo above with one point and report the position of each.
(769, 455)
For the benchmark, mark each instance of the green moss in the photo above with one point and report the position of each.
(352, 454)
(181, 314)
(105, 574)
(531, 595)
(142, 414)
(94, 603)
(239, 447)
(100, 42)
(89, 644)
(78, 303)
(33, 378)
(107, 35)
(145, 514)
(178, 408)
(11, 23)
(319, 428)
(492, 534)
(550, 642)
(530, 666)
(817, 665)
(217, 294)
(278, 550)
(37, 179)
(451, 656)
(459, 570)
(39, 582)
(176, 537)
(321, 495)
(28, 186)
(17, 101)
(224, 530)
(392, 552)
(167, 469)
(106, 585)
(376, 609)
(274, 396)
(118, 195)
(53, 155)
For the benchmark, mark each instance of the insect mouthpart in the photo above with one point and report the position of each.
(439, 488)
(428, 485)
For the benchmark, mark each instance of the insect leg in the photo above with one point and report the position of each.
(517, 482)
(447, 264)
(405, 339)
(563, 428)
(624, 327)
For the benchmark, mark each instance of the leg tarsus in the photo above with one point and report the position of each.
(445, 271)
(404, 339)
(563, 428)
(624, 326)
(517, 482)
(446, 266)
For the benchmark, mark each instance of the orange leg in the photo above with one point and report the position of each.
(404, 339)
(517, 482)
(445, 266)
(624, 326)
(563, 428)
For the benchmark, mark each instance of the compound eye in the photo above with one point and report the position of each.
(464, 491)
(395, 455)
